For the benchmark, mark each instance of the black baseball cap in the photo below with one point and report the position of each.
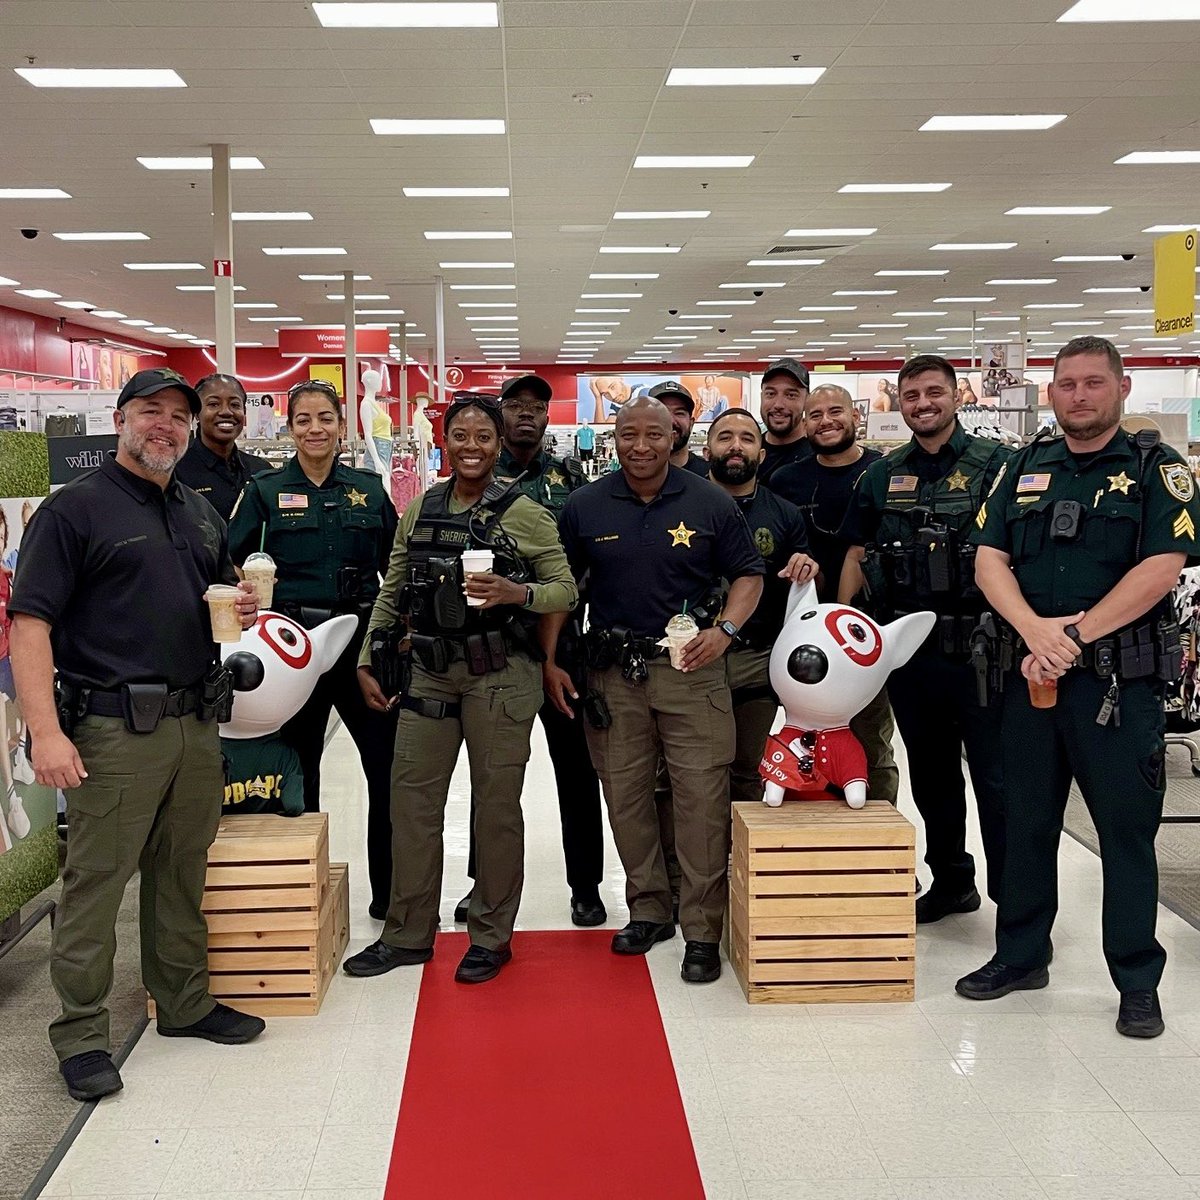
(158, 379)
(672, 387)
(788, 366)
(528, 383)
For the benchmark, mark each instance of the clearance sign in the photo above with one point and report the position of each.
(1175, 283)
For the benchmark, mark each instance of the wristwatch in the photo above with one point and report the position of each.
(728, 628)
(528, 597)
(1072, 631)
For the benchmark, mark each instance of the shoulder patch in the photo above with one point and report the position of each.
(1177, 479)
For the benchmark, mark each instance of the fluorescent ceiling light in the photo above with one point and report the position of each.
(802, 233)
(921, 312)
(239, 345)
(996, 321)
(100, 77)
(454, 193)
(978, 123)
(1158, 158)
(601, 310)
(722, 303)
(204, 287)
(1053, 305)
(973, 246)
(477, 317)
(1074, 324)
(1058, 210)
(199, 163)
(272, 216)
(885, 325)
(108, 314)
(164, 266)
(743, 76)
(483, 303)
(78, 304)
(955, 328)
(468, 235)
(686, 328)
(1090, 258)
(357, 298)
(785, 262)
(1171, 228)
(875, 292)
(828, 308)
(407, 16)
(137, 321)
(607, 326)
(1019, 282)
(799, 321)
(944, 271)
(425, 128)
(274, 320)
(1111, 291)
(881, 188)
(963, 299)
(683, 214)
(1124, 10)
(640, 249)
(383, 312)
(306, 251)
(33, 193)
(256, 305)
(476, 266)
(159, 329)
(641, 275)
(483, 287)
(1126, 312)
(182, 337)
(708, 316)
(610, 295)
(39, 294)
(743, 286)
(102, 237)
(692, 161)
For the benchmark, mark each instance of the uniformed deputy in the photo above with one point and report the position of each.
(908, 531)
(654, 539)
(1080, 543)
(329, 529)
(547, 480)
(680, 403)
(214, 466)
(782, 398)
(114, 567)
(475, 676)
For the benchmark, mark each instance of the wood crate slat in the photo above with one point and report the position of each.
(234, 961)
(821, 904)
(294, 874)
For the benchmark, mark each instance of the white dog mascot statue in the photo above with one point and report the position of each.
(828, 663)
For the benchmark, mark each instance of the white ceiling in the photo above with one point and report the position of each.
(265, 77)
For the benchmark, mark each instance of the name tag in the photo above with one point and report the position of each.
(902, 483)
(1033, 483)
(293, 500)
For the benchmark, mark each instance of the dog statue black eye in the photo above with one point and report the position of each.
(857, 632)
(288, 637)
(807, 664)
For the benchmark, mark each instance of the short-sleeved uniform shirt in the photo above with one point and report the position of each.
(315, 531)
(218, 480)
(777, 530)
(547, 481)
(1058, 578)
(697, 464)
(118, 568)
(647, 559)
(778, 457)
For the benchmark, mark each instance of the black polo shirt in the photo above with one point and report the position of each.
(647, 560)
(777, 530)
(118, 568)
(218, 480)
(777, 457)
(697, 464)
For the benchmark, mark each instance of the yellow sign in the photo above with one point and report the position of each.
(328, 373)
(1175, 283)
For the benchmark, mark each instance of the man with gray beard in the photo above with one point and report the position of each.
(110, 596)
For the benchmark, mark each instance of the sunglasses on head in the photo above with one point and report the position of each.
(312, 385)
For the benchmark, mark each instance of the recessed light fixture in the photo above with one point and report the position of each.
(963, 299)
(1075, 324)
(273, 320)
(1111, 291)
(1126, 312)
(102, 237)
(785, 262)
(1158, 158)
(885, 325)
(483, 287)
(692, 161)
(481, 303)
(199, 163)
(468, 235)
(255, 305)
(101, 77)
(752, 286)
(1019, 282)
(686, 328)
(682, 214)
(610, 295)
(33, 193)
(454, 193)
(159, 329)
(476, 266)
(1058, 210)
(39, 294)
(164, 266)
(585, 311)
(1126, 10)
(137, 322)
(640, 249)
(835, 233)
(390, 312)
(357, 298)
(722, 303)
(77, 304)
(799, 321)
(1172, 228)
(425, 128)
(407, 16)
(271, 216)
(107, 314)
(1053, 305)
(944, 271)
(980, 123)
(204, 287)
(636, 275)
(875, 292)
(973, 246)
(332, 278)
(996, 321)
(828, 308)
(182, 337)
(897, 188)
(743, 76)
(707, 316)
(921, 312)
(305, 251)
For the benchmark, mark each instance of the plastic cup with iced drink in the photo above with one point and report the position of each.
(259, 569)
(222, 610)
(475, 562)
(681, 628)
(1043, 695)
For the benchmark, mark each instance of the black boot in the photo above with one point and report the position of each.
(939, 902)
(638, 936)
(480, 964)
(90, 1075)
(994, 980)
(1141, 1015)
(701, 962)
(587, 909)
(379, 958)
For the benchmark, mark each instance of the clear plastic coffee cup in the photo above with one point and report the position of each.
(681, 628)
(259, 569)
(477, 562)
(222, 611)
(1043, 695)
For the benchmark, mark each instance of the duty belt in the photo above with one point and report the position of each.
(112, 703)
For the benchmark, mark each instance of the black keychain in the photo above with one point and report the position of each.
(1110, 707)
(635, 670)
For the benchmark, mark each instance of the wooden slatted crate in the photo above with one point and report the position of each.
(821, 903)
(278, 914)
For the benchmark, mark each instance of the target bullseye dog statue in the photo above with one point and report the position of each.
(828, 663)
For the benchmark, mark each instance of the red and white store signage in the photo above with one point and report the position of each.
(321, 341)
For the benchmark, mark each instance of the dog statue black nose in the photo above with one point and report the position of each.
(247, 669)
(807, 664)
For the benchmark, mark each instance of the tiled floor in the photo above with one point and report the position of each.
(1032, 1096)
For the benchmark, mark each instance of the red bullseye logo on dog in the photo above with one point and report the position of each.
(289, 640)
(859, 639)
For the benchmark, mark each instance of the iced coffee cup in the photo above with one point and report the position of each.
(1043, 695)
(259, 569)
(681, 628)
(475, 562)
(222, 611)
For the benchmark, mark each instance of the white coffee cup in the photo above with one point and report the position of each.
(475, 562)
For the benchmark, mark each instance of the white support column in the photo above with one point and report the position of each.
(440, 319)
(404, 426)
(222, 206)
(350, 378)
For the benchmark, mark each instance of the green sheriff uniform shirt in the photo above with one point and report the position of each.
(314, 532)
(548, 481)
(1058, 578)
(533, 530)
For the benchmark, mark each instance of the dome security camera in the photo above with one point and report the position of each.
(758, 293)
(1128, 257)
(721, 329)
(30, 233)
(1144, 288)
(673, 312)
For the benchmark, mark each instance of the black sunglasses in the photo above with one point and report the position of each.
(312, 385)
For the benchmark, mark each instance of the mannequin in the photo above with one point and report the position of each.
(423, 428)
(376, 426)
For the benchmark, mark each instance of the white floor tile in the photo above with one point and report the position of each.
(1055, 1084)
(352, 1157)
(975, 1188)
(237, 1158)
(986, 1036)
(789, 1146)
(1088, 1187)
(1082, 1143)
(1150, 1085)
(938, 1144)
(111, 1161)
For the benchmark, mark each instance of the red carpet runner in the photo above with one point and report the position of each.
(553, 1080)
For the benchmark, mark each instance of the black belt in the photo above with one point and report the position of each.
(112, 704)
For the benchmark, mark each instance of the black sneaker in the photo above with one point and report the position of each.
(90, 1075)
(480, 964)
(994, 980)
(463, 908)
(224, 1025)
(1140, 1016)
(701, 962)
(638, 936)
(587, 910)
(938, 903)
(379, 958)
